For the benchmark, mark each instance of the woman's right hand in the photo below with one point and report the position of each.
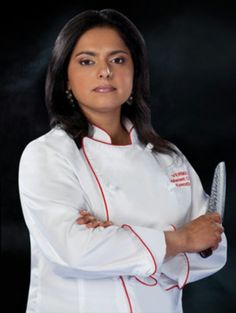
(91, 221)
(200, 234)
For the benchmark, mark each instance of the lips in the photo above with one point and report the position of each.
(104, 89)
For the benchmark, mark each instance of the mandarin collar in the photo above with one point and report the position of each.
(100, 134)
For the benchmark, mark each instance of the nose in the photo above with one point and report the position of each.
(105, 72)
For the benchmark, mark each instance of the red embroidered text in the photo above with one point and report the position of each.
(180, 179)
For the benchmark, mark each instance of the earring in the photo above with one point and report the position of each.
(70, 98)
(130, 100)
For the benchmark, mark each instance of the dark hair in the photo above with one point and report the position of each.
(73, 121)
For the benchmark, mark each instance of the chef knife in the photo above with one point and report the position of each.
(217, 197)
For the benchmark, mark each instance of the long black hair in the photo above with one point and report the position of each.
(73, 121)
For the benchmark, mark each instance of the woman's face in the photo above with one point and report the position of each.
(100, 71)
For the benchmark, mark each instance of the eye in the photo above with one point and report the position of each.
(86, 62)
(118, 60)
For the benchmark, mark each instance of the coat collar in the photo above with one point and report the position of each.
(99, 134)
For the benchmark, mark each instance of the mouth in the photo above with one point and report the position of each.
(104, 89)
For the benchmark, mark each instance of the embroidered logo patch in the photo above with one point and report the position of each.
(180, 179)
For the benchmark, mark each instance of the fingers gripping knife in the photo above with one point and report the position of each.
(217, 197)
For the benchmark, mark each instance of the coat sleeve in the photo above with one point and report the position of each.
(51, 197)
(188, 267)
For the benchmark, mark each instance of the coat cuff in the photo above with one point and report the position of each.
(154, 245)
(175, 272)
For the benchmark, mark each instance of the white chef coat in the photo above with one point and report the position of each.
(122, 268)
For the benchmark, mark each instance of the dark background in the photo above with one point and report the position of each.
(192, 58)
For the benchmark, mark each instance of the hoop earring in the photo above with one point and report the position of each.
(130, 100)
(70, 98)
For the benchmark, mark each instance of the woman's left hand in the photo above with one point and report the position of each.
(91, 221)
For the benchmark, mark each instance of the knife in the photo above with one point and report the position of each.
(217, 197)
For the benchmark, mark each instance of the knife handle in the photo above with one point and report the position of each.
(206, 253)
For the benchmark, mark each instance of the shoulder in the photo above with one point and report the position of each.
(56, 140)
(171, 160)
(54, 145)
(178, 165)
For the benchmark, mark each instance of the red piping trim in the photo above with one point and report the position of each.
(110, 143)
(149, 285)
(107, 213)
(188, 270)
(98, 182)
(155, 265)
(127, 295)
(172, 287)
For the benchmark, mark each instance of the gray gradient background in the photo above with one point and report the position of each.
(192, 58)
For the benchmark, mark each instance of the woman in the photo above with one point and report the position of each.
(116, 214)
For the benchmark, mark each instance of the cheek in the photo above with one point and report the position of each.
(77, 78)
(126, 79)
(79, 84)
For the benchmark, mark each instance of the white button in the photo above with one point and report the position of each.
(113, 188)
(149, 146)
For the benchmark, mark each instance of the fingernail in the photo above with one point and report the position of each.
(83, 211)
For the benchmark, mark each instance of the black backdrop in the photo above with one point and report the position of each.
(192, 58)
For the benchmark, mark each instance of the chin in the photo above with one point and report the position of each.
(107, 109)
(107, 106)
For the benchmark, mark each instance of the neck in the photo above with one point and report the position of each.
(111, 124)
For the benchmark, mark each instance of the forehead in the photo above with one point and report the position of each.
(101, 38)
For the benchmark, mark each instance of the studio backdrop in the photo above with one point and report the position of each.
(192, 59)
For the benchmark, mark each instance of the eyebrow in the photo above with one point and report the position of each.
(92, 53)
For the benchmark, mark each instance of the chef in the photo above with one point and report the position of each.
(141, 261)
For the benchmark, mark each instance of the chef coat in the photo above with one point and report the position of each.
(121, 268)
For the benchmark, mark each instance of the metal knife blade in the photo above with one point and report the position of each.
(217, 197)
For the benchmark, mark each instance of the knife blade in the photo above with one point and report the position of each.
(217, 197)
